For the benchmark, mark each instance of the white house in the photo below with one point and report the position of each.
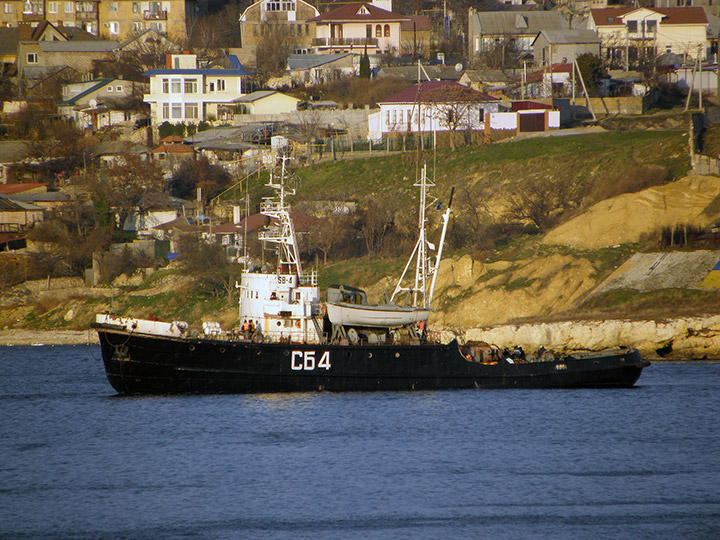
(99, 103)
(357, 27)
(183, 92)
(629, 35)
(430, 107)
(267, 102)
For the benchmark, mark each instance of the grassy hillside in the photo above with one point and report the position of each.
(614, 162)
(605, 157)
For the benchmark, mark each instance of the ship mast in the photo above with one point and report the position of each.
(282, 234)
(421, 292)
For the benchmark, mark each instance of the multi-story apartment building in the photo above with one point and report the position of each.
(187, 93)
(111, 19)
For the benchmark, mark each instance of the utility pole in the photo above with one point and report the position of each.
(692, 84)
(587, 96)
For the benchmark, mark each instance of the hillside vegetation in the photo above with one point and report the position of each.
(493, 273)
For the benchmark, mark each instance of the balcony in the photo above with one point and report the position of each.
(85, 16)
(155, 15)
(33, 16)
(344, 42)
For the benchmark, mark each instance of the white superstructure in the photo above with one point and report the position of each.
(280, 305)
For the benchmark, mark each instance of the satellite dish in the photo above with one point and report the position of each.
(458, 67)
(92, 103)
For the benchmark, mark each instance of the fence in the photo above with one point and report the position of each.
(705, 165)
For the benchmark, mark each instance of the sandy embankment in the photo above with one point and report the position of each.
(47, 337)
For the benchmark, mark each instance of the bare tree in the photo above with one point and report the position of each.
(502, 53)
(124, 183)
(377, 216)
(212, 272)
(216, 30)
(272, 52)
(308, 126)
(543, 202)
(454, 107)
(131, 63)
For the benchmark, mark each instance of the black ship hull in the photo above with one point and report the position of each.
(148, 364)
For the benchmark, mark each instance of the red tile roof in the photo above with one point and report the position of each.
(173, 149)
(173, 139)
(673, 15)
(422, 24)
(528, 106)
(434, 90)
(302, 222)
(10, 189)
(349, 13)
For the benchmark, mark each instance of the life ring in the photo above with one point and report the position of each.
(297, 323)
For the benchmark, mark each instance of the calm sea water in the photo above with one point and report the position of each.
(77, 461)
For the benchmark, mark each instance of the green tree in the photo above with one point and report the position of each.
(591, 70)
(365, 65)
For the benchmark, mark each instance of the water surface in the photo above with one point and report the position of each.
(80, 462)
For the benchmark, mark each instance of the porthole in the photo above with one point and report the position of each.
(397, 355)
(286, 352)
(222, 349)
(192, 347)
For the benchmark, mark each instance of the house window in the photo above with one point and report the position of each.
(481, 114)
(137, 27)
(32, 58)
(387, 30)
(211, 87)
(113, 7)
(165, 86)
(8, 8)
(191, 111)
(378, 31)
(52, 7)
(109, 89)
(176, 111)
(69, 7)
(221, 85)
(166, 111)
(307, 29)
(651, 27)
(191, 86)
(114, 27)
(118, 88)
(632, 27)
(368, 30)
(158, 27)
(175, 86)
(136, 7)
(254, 29)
